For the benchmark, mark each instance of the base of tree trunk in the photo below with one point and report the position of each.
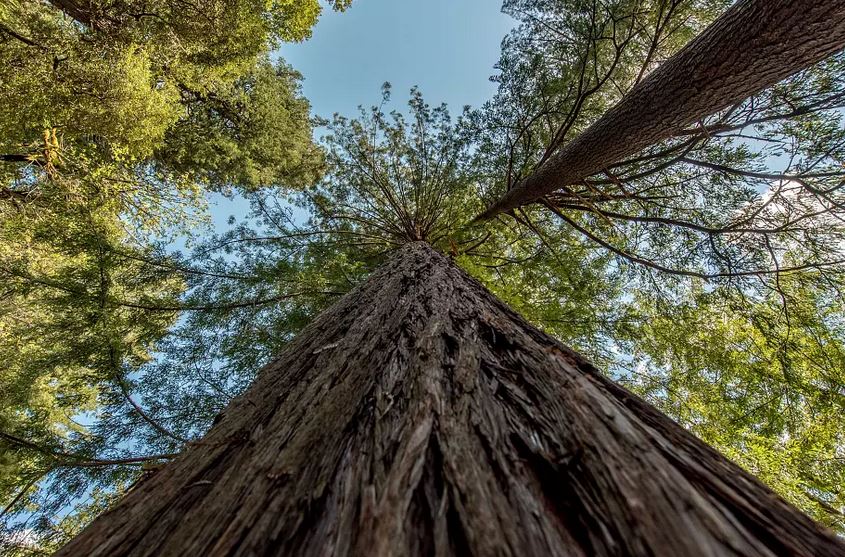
(421, 416)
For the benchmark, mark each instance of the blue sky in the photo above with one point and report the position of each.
(446, 47)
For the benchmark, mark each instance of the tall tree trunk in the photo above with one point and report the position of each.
(421, 416)
(78, 10)
(753, 45)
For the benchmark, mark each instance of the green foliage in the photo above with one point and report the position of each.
(165, 98)
(251, 133)
(761, 380)
(72, 324)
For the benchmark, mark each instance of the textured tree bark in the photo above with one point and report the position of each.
(753, 45)
(421, 416)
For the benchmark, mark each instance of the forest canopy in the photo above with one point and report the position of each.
(705, 273)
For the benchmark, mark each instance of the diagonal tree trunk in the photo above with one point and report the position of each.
(421, 416)
(78, 10)
(753, 45)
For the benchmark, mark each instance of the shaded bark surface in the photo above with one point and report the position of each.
(753, 45)
(421, 416)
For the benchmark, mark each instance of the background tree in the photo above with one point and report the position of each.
(136, 105)
(737, 56)
(730, 197)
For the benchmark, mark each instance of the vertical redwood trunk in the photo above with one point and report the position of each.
(420, 416)
(755, 44)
